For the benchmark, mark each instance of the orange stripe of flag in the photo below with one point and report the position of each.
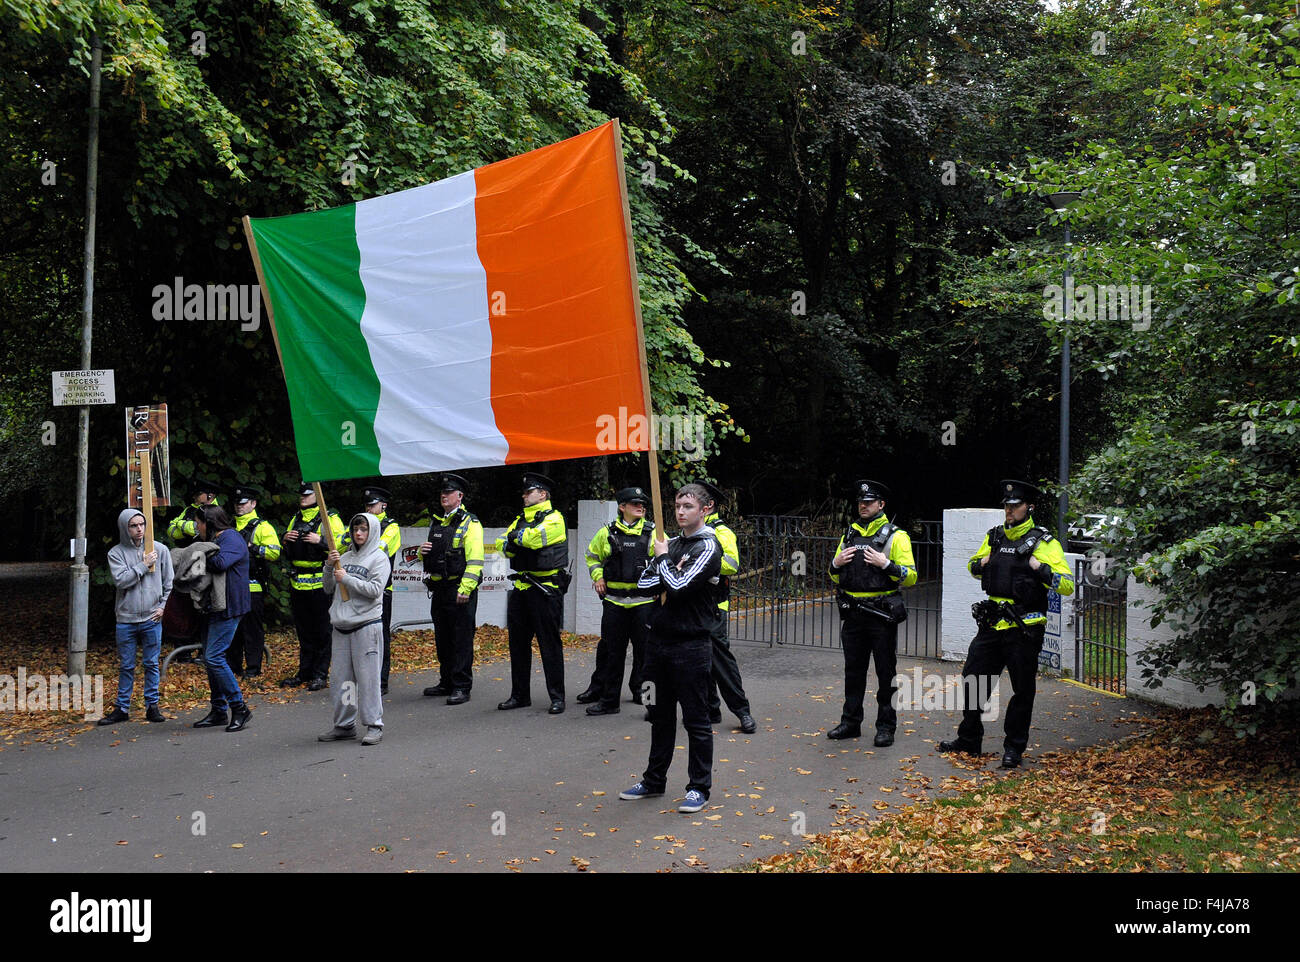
(552, 240)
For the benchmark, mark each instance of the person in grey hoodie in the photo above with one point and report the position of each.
(357, 653)
(141, 596)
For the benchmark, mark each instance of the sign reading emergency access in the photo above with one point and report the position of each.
(75, 388)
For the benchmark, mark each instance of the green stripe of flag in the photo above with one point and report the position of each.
(312, 268)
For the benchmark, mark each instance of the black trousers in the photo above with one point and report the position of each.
(726, 673)
(388, 637)
(311, 618)
(679, 672)
(250, 637)
(453, 635)
(531, 612)
(990, 652)
(865, 637)
(618, 626)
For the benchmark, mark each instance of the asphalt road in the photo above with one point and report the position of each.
(470, 788)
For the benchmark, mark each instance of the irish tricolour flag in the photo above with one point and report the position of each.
(489, 318)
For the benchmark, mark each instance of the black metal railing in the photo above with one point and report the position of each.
(1100, 624)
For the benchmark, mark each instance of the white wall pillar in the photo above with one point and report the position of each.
(592, 515)
(963, 530)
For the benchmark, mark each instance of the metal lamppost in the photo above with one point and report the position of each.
(1059, 202)
(79, 589)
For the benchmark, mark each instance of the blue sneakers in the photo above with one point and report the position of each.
(692, 803)
(638, 791)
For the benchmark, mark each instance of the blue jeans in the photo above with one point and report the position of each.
(147, 634)
(225, 689)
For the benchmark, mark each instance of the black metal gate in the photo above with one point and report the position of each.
(783, 594)
(1100, 624)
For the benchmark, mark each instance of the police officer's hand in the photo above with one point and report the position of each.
(461, 599)
(291, 535)
(151, 558)
(1034, 563)
(311, 537)
(875, 557)
(599, 585)
(845, 556)
(425, 548)
(333, 556)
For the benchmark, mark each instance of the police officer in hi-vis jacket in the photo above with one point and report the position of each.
(453, 568)
(616, 556)
(872, 564)
(1017, 563)
(536, 545)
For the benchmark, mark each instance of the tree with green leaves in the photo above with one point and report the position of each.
(1198, 201)
(214, 110)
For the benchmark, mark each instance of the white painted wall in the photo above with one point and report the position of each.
(592, 515)
(581, 606)
(1175, 690)
(963, 530)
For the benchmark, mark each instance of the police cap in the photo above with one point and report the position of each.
(245, 492)
(534, 480)
(719, 499)
(633, 496)
(305, 487)
(374, 495)
(453, 482)
(870, 491)
(204, 486)
(1014, 492)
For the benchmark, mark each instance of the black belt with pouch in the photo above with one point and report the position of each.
(890, 608)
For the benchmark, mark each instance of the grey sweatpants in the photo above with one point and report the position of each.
(355, 660)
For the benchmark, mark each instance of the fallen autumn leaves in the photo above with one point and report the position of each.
(185, 687)
(1184, 797)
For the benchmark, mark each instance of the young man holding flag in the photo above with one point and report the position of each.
(684, 575)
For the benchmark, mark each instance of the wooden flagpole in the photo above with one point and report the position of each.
(261, 284)
(327, 533)
(146, 499)
(640, 333)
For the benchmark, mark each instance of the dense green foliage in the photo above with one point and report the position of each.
(216, 110)
(1201, 202)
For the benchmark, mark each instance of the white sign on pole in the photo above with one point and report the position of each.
(76, 388)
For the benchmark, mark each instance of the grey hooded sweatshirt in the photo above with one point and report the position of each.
(140, 592)
(365, 573)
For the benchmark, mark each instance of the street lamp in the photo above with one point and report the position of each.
(1059, 202)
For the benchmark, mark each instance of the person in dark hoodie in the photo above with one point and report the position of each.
(357, 653)
(144, 582)
(684, 575)
(214, 525)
